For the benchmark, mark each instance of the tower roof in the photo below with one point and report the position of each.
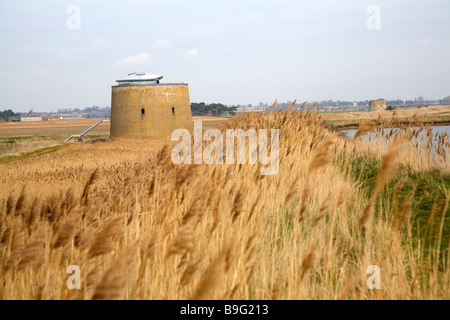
(137, 78)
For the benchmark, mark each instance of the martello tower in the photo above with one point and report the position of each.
(143, 107)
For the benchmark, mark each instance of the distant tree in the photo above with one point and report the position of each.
(96, 112)
(214, 109)
(396, 102)
(199, 109)
(445, 101)
(419, 101)
(4, 115)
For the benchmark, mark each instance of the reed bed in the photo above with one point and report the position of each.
(155, 230)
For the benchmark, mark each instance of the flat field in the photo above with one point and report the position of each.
(21, 138)
(66, 128)
(61, 128)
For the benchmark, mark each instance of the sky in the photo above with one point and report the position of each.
(57, 54)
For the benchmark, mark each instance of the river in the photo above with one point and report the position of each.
(436, 129)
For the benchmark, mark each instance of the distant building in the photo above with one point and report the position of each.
(142, 107)
(30, 118)
(250, 109)
(377, 105)
(51, 118)
(70, 117)
(14, 119)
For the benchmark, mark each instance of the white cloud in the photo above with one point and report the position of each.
(143, 58)
(161, 43)
(192, 53)
(41, 73)
(424, 42)
(101, 43)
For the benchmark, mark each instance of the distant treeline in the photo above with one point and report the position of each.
(89, 112)
(4, 115)
(419, 101)
(213, 109)
(416, 102)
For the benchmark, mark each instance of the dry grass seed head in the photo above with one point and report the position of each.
(389, 165)
(211, 277)
(364, 128)
(307, 263)
(103, 241)
(114, 280)
(67, 228)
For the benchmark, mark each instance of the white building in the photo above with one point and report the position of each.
(30, 118)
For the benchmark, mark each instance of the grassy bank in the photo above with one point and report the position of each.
(33, 153)
(19, 147)
(426, 195)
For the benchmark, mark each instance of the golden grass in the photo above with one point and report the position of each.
(140, 227)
